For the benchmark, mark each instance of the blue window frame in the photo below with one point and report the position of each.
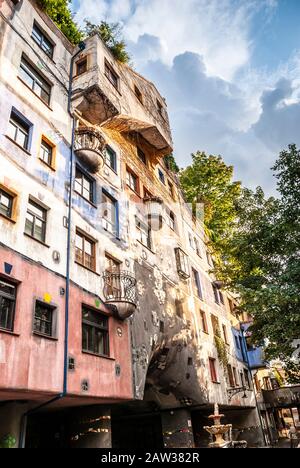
(197, 283)
(111, 158)
(161, 176)
(110, 214)
(20, 129)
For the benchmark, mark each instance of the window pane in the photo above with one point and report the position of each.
(6, 313)
(35, 81)
(6, 202)
(29, 224)
(46, 153)
(43, 319)
(37, 210)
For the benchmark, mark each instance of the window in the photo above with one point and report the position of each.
(182, 263)
(209, 259)
(203, 321)
(138, 94)
(161, 176)
(235, 377)
(94, 332)
(81, 66)
(6, 204)
(113, 285)
(35, 81)
(84, 185)
(46, 153)
(230, 375)
(144, 233)
(170, 220)
(111, 158)
(216, 294)
(247, 379)
(142, 156)
(215, 325)
(191, 241)
(19, 129)
(42, 40)
(237, 342)
(221, 296)
(242, 379)
(111, 75)
(159, 107)
(85, 249)
(197, 247)
(225, 334)
(171, 189)
(7, 305)
(132, 181)
(43, 319)
(109, 214)
(35, 224)
(213, 372)
(197, 284)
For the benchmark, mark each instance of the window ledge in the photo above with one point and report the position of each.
(87, 268)
(11, 220)
(41, 335)
(9, 332)
(47, 165)
(86, 200)
(145, 246)
(19, 146)
(39, 98)
(37, 240)
(90, 353)
(215, 382)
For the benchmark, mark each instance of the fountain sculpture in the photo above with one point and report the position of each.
(218, 430)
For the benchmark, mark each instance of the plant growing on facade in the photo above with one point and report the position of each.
(111, 34)
(8, 441)
(221, 349)
(59, 11)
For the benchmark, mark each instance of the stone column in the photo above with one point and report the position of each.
(177, 429)
(10, 420)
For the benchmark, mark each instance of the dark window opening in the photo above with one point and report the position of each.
(43, 319)
(95, 336)
(111, 75)
(138, 94)
(46, 153)
(142, 157)
(111, 158)
(7, 305)
(42, 40)
(81, 66)
(6, 203)
(35, 224)
(19, 130)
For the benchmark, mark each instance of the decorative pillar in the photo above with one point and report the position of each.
(177, 429)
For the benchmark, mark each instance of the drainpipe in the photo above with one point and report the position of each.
(23, 424)
(251, 379)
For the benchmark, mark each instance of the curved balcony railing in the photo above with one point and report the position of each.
(120, 290)
(89, 147)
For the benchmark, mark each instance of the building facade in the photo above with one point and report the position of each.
(112, 327)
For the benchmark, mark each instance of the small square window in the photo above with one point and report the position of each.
(19, 129)
(95, 337)
(47, 153)
(132, 181)
(85, 251)
(111, 158)
(111, 75)
(142, 157)
(6, 204)
(36, 219)
(84, 185)
(161, 176)
(7, 305)
(81, 66)
(43, 319)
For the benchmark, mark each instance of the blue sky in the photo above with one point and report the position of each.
(229, 69)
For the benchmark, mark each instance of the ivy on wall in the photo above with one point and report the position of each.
(221, 349)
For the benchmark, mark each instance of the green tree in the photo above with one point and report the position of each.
(209, 180)
(171, 163)
(59, 11)
(262, 261)
(111, 34)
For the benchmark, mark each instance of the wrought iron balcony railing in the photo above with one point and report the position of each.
(89, 147)
(120, 290)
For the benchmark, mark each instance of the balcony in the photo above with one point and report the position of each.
(89, 148)
(282, 397)
(105, 95)
(256, 358)
(120, 291)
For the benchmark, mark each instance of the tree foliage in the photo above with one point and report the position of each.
(208, 180)
(111, 34)
(261, 261)
(59, 11)
(171, 163)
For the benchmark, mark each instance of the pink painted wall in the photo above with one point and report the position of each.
(32, 363)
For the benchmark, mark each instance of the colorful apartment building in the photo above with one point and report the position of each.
(113, 329)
